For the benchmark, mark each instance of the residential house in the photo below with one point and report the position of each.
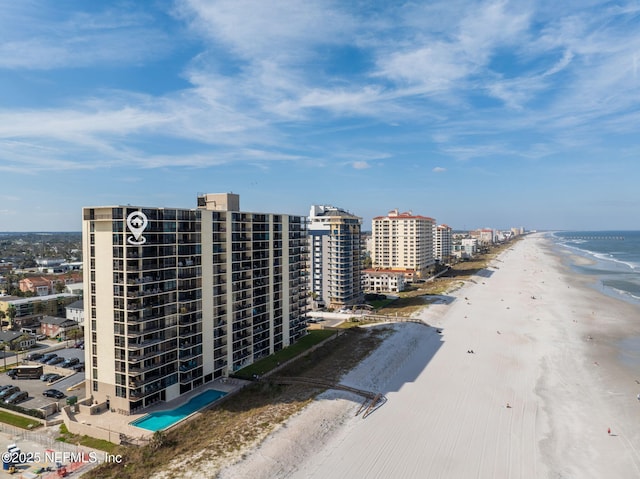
(55, 327)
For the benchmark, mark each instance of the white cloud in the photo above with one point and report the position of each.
(360, 165)
(262, 77)
(39, 36)
(439, 169)
(282, 30)
(447, 61)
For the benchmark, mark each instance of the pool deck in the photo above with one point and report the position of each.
(119, 424)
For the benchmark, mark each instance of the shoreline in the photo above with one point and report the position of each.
(579, 261)
(553, 360)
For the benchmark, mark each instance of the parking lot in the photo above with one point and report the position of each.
(35, 387)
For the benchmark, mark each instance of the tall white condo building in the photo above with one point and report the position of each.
(337, 257)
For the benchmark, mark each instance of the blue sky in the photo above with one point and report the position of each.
(478, 114)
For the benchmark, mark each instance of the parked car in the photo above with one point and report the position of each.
(53, 393)
(5, 386)
(17, 397)
(46, 376)
(47, 357)
(54, 377)
(41, 337)
(12, 373)
(56, 360)
(78, 367)
(67, 363)
(9, 391)
(79, 345)
(33, 356)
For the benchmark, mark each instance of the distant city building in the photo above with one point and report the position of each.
(50, 265)
(442, 243)
(175, 298)
(485, 236)
(37, 306)
(383, 281)
(73, 266)
(403, 242)
(465, 248)
(49, 262)
(337, 255)
(5, 267)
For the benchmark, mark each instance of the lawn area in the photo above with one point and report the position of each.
(101, 444)
(271, 362)
(19, 421)
(380, 303)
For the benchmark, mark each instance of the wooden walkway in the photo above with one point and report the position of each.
(372, 400)
(385, 318)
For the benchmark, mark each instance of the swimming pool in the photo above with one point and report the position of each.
(156, 421)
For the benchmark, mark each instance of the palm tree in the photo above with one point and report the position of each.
(59, 287)
(11, 314)
(38, 307)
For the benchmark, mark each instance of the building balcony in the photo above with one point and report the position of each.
(136, 369)
(138, 345)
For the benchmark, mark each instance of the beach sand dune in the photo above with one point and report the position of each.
(523, 382)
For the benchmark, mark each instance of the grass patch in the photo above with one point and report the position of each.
(101, 444)
(19, 421)
(380, 303)
(271, 362)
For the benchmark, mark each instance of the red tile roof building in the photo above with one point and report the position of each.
(403, 242)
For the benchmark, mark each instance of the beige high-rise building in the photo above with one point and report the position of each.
(337, 257)
(176, 298)
(403, 242)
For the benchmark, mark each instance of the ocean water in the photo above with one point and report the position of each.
(615, 257)
(615, 267)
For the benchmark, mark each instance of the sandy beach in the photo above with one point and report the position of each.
(535, 399)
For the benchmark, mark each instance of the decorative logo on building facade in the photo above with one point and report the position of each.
(137, 221)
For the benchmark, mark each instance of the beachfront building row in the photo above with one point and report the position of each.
(403, 242)
(337, 257)
(175, 298)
